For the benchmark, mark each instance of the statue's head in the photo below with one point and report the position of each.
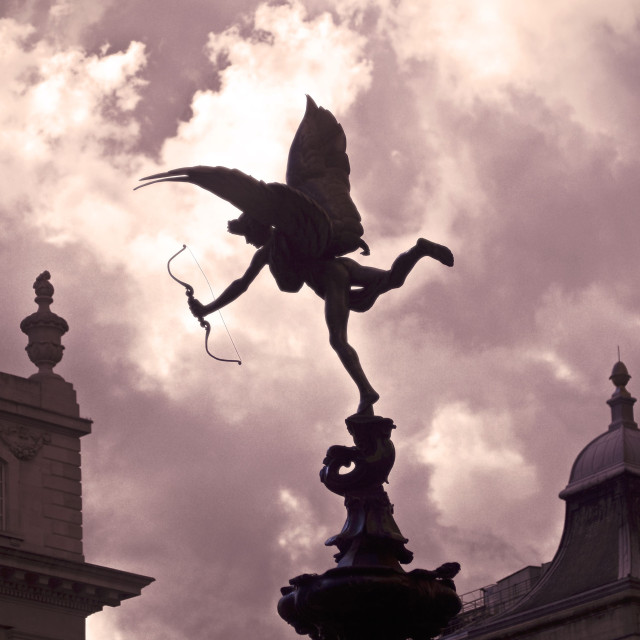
(254, 232)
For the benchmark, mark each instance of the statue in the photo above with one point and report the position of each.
(303, 230)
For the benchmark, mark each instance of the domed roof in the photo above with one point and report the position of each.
(614, 452)
(607, 455)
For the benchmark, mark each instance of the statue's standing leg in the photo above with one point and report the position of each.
(336, 287)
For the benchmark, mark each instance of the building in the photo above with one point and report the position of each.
(591, 588)
(47, 590)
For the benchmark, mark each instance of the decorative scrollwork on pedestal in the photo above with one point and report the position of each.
(370, 535)
(372, 457)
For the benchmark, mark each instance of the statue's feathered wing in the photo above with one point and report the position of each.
(255, 197)
(313, 211)
(318, 166)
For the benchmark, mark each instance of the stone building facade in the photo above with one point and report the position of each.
(46, 588)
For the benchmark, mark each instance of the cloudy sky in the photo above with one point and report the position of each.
(508, 131)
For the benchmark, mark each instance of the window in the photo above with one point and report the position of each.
(3, 492)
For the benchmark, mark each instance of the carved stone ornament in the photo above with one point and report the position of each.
(23, 442)
(44, 330)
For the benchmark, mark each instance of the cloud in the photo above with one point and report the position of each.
(268, 65)
(505, 131)
(66, 122)
(477, 467)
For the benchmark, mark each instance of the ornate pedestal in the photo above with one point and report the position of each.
(368, 595)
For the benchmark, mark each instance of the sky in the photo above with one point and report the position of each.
(508, 131)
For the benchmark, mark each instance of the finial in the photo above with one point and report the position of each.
(621, 402)
(44, 330)
(620, 378)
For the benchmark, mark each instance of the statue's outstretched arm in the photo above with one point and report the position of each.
(235, 289)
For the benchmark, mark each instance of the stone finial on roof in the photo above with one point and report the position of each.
(621, 402)
(44, 330)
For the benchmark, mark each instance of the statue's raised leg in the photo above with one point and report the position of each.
(375, 282)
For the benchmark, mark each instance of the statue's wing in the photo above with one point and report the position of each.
(297, 216)
(318, 166)
(254, 197)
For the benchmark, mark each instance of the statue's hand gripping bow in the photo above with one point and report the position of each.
(203, 323)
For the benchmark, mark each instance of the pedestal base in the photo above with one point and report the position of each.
(369, 603)
(368, 596)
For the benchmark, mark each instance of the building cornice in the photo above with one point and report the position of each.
(597, 479)
(80, 586)
(45, 417)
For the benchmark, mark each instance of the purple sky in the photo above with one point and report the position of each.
(508, 131)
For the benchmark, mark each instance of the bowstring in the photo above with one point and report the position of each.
(224, 324)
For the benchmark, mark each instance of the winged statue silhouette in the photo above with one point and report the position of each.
(303, 229)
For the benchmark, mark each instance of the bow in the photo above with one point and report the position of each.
(203, 323)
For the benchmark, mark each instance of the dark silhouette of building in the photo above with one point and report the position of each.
(47, 590)
(591, 588)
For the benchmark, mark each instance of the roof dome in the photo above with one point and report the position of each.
(608, 455)
(614, 452)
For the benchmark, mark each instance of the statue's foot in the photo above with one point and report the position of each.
(367, 400)
(436, 251)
